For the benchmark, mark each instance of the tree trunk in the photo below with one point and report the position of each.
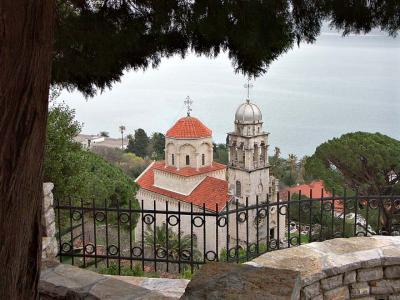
(26, 33)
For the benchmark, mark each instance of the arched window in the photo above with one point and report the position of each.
(238, 189)
(203, 159)
(187, 160)
(173, 159)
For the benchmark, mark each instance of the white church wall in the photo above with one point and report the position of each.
(206, 236)
(183, 184)
(192, 147)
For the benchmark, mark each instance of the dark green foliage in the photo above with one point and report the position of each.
(173, 241)
(139, 143)
(96, 41)
(289, 171)
(105, 181)
(367, 162)
(63, 160)
(156, 146)
(77, 173)
(220, 153)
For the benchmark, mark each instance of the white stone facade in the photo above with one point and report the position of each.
(193, 153)
(249, 180)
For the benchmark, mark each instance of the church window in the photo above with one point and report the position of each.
(203, 159)
(238, 189)
(244, 157)
(257, 198)
(173, 159)
(187, 160)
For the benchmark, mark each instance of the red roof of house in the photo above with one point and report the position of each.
(316, 189)
(211, 191)
(189, 127)
(188, 171)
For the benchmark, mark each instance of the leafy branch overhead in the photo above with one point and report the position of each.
(96, 41)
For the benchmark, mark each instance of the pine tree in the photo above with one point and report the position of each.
(139, 143)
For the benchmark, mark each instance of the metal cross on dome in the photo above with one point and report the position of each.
(188, 102)
(248, 86)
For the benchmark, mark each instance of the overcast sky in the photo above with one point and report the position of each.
(309, 95)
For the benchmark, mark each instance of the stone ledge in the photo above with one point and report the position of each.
(61, 281)
(319, 260)
(233, 281)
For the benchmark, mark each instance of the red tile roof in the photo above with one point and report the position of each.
(315, 187)
(188, 171)
(189, 127)
(210, 191)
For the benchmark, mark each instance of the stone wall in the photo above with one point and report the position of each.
(66, 282)
(352, 268)
(49, 240)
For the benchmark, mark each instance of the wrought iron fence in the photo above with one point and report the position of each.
(179, 237)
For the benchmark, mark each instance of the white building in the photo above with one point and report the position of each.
(90, 141)
(189, 178)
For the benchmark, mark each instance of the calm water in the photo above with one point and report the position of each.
(311, 94)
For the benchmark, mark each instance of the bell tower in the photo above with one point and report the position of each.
(248, 168)
(248, 174)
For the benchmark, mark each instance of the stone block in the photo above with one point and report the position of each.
(370, 274)
(332, 282)
(69, 282)
(47, 188)
(394, 297)
(350, 277)
(51, 230)
(391, 255)
(233, 281)
(340, 293)
(49, 247)
(392, 272)
(304, 259)
(49, 217)
(112, 288)
(319, 297)
(311, 290)
(359, 289)
(385, 286)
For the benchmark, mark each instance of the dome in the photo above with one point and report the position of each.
(189, 127)
(248, 113)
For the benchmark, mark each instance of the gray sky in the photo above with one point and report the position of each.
(309, 95)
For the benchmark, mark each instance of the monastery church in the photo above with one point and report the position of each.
(189, 179)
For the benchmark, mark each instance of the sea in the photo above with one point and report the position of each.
(309, 95)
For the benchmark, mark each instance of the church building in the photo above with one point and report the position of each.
(190, 180)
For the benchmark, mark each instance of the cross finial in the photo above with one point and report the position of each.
(188, 102)
(248, 86)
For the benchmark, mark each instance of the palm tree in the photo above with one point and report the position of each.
(122, 128)
(159, 241)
